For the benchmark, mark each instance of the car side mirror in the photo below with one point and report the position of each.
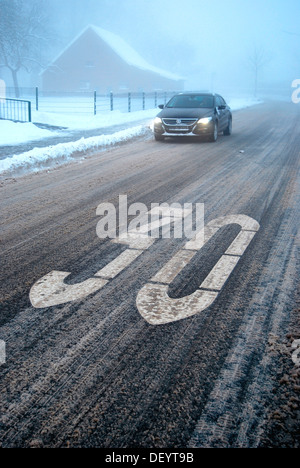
(222, 107)
(161, 106)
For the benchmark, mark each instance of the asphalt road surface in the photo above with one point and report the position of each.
(164, 345)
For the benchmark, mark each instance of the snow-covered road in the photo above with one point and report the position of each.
(93, 372)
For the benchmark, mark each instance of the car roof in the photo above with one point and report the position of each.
(194, 93)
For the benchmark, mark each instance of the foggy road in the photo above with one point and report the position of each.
(139, 359)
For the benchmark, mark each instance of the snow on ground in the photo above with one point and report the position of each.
(12, 133)
(108, 118)
(242, 103)
(38, 158)
(88, 122)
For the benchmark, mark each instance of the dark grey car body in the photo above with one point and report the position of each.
(182, 115)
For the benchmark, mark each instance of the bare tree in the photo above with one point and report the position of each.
(22, 36)
(257, 60)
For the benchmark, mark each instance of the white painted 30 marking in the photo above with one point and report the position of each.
(51, 290)
(296, 353)
(153, 301)
(2, 352)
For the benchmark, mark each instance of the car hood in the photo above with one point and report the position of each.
(185, 113)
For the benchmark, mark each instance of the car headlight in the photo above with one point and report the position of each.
(157, 121)
(205, 120)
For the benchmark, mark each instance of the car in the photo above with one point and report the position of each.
(193, 114)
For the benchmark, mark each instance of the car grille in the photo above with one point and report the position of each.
(180, 121)
(179, 125)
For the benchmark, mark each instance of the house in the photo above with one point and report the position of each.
(98, 60)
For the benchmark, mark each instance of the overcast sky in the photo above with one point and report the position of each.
(209, 42)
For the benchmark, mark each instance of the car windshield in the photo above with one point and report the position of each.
(191, 101)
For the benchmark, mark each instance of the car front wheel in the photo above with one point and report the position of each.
(214, 135)
(159, 137)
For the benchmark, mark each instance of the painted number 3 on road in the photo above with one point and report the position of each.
(153, 301)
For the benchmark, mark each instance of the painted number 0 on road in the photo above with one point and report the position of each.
(153, 301)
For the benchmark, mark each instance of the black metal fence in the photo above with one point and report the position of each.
(91, 102)
(95, 103)
(15, 109)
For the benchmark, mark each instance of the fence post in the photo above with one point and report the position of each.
(29, 111)
(143, 101)
(111, 101)
(155, 99)
(37, 98)
(95, 102)
(129, 102)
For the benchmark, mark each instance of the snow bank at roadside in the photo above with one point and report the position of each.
(14, 133)
(44, 157)
(101, 120)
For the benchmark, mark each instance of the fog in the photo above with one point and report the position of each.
(210, 43)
